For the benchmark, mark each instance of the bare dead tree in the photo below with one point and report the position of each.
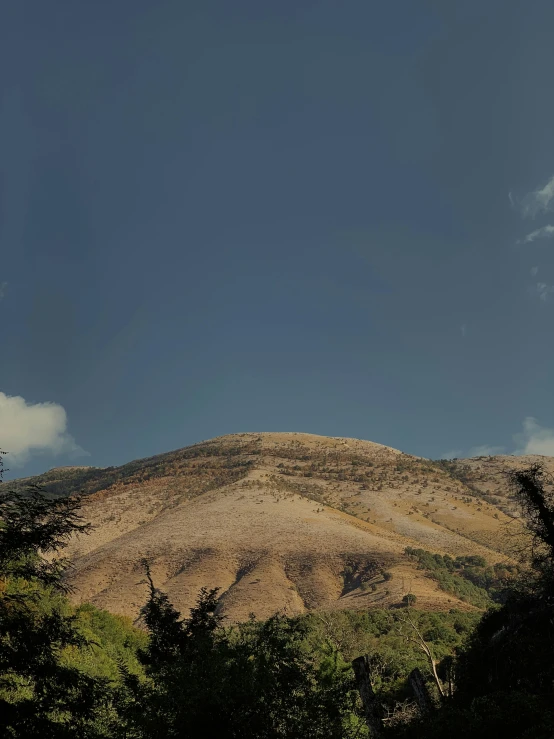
(402, 713)
(330, 631)
(415, 636)
(379, 667)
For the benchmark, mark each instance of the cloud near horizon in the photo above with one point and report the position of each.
(534, 439)
(536, 201)
(484, 450)
(30, 428)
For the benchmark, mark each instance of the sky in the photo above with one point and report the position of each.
(219, 217)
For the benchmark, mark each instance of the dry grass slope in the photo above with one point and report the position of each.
(283, 521)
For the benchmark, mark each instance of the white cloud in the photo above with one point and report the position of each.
(538, 200)
(463, 329)
(535, 439)
(28, 428)
(543, 290)
(3, 286)
(452, 454)
(546, 232)
(534, 271)
(484, 450)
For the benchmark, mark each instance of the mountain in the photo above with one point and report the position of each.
(283, 521)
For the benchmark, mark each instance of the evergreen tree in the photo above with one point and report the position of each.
(40, 696)
(257, 680)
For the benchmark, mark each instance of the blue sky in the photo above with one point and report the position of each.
(308, 216)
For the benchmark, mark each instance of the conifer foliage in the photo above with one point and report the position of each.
(257, 680)
(40, 695)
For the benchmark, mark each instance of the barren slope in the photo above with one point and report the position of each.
(283, 521)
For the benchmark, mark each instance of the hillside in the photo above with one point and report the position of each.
(283, 521)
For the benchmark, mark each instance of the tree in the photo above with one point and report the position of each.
(409, 600)
(414, 635)
(504, 677)
(255, 680)
(513, 647)
(532, 489)
(39, 694)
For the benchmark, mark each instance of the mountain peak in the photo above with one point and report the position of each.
(282, 520)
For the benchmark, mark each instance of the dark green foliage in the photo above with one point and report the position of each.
(537, 503)
(469, 577)
(510, 649)
(256, 680)
(383, 636)
(112, 641)
(40, 695)
(505, 675)
(33, 524)
(512, 715)
(513, 648)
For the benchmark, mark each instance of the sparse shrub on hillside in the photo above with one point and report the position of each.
(201, 468)
(358, 573)
(467, 577)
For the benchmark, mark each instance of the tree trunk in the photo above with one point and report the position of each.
(417, 683)
(369, 700)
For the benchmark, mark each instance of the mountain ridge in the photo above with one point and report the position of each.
(283, 520)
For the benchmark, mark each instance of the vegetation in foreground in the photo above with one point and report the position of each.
(81, 672)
